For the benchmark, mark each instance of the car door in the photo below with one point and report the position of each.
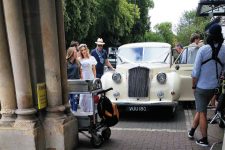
(184, 71)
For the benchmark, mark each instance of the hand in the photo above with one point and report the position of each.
(193, 88)
(113, 69)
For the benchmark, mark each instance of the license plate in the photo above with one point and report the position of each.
(137, 108)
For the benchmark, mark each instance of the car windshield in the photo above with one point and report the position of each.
(153, 54)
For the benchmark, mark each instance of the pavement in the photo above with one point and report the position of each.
(157, 136)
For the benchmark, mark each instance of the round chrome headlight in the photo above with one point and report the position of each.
(116, 77)
(160, 94)
(116, 94)
(161, 78)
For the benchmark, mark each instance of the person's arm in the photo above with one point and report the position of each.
(81, 75)
(109, 64)
(194, 82)
(196, 70)
(94, 70)
(80, 68)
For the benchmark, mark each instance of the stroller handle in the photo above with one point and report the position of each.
(104, 91)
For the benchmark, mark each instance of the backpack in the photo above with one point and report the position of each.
(108, 111)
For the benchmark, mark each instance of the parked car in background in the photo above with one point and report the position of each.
(146, 76)
(112, 55)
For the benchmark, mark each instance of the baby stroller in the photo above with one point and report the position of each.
(98, 124)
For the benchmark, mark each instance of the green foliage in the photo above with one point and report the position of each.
(165, 30)
(124, 21)
(78, 17)
(153, 37)
(116, 21)
(142, 24)
(189, 24)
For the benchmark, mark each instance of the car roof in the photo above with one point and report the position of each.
(146, 44)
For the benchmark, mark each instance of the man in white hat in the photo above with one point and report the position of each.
(102, 58)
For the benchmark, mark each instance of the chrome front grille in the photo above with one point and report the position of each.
(138, 85)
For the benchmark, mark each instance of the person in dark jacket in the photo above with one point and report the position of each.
(73, 65)
(73, 72)
(101, 57)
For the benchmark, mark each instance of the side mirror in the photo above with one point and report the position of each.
(177, 67)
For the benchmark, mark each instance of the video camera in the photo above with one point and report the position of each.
(221, 94)
(220, 90)
(222, 84)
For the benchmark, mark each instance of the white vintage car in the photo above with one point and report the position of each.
(146, 75)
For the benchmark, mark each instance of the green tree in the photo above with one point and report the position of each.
(165, 30)
(78, 17)
(115, 20)
(153, 37)
(189, 24)
(142, 24)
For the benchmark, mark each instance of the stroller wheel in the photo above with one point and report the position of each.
(106, 133)
(96, 140)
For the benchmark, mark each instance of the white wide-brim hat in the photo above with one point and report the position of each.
(99, 41)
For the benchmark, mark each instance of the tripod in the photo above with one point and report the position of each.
(220, 111)
(219, 117)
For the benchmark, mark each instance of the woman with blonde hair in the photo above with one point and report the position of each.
(88, 72)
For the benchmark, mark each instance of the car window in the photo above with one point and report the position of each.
(156, 54)
(131, 54)
(153, 54)
(187, 56)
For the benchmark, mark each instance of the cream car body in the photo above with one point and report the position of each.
(135, 84)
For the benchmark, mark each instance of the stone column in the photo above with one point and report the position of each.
(63, 68)
(19, 58)
(59, 129)
(34, 45)
(62, 50)
(7, 88)
(51, 55)
(26, 133)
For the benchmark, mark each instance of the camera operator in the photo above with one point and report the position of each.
(208, 66)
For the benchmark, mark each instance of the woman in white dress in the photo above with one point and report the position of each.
(88, 72)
